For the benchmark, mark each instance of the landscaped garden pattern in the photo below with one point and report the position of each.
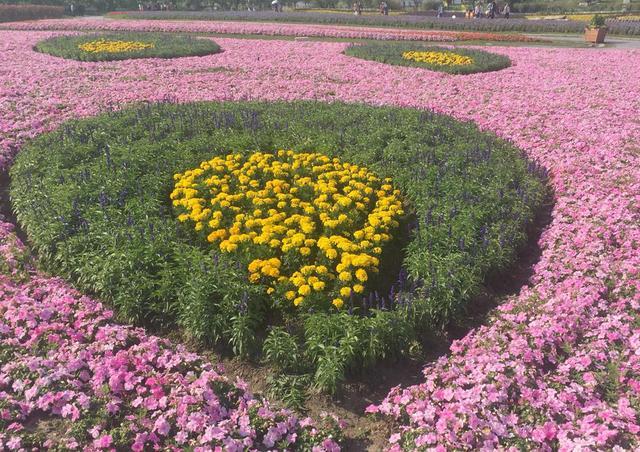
(450, 60)
(557, 366)
(265, 29)
(470, 198)
(123, 46)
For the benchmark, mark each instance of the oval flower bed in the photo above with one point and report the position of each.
(453, 61)
(123, 46)
(310, 227)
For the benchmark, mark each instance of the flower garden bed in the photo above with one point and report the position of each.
(449, 60)
(266, 29)
(124, 46)
(618, 26)
(556, 365)
(281, 238)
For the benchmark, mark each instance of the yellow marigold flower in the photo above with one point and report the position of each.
(361, 275)
(318, 286)
(345, 276)
(358, 288)
(254, 266)
(290, 295)
(297, 301)
(345, 291)
(337, 302)
(304, 290)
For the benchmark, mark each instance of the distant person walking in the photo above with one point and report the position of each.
(506, 11)
(491, 11)
(478, 11)
(440, 12)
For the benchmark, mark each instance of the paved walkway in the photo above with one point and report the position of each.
(611, 42)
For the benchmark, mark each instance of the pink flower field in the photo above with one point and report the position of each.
(556, 367)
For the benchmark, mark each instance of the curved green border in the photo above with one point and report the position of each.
(167, 45)
(391, 53)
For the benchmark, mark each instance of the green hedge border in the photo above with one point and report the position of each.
(167, 45)
(93, 198)
(391, 53)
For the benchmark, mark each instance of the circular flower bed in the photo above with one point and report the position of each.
(293, 216)
(453, 61)
(123, 46)
(308, 225)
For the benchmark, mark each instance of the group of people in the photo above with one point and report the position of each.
(157, 6)
(276, 6)
(383, 7)
(491, 11)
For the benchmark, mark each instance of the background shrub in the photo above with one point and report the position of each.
(11, 13)
(165, 45)
(93, 198)
(391, 53)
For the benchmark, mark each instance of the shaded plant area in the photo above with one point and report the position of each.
(149, 45)
(400, 54)
(93, 198)
(10, 13)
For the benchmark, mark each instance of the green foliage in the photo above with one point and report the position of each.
(391, 53)
(341, 342)
(11, 13)
(597, 21)
(166, 45)
(93, 197)
(290, 389)
(282, 351)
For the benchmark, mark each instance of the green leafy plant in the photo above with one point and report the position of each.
(162, 45)
(281, 350)
(392, 53)
(289, 389)
(597, 21)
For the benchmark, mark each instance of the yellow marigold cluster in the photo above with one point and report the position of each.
(630, 18)
(438, 58)
(311, 227)
(108, 46)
